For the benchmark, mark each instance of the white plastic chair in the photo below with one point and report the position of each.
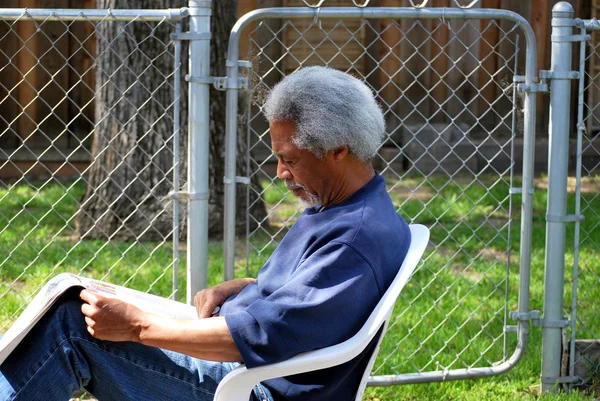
(238, 384)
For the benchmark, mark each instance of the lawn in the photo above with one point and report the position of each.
(451, 314)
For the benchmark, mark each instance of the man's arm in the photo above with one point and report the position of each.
(207, 339)
(114, 320)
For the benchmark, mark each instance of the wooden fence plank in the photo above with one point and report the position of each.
(486, 79)
(27, 62)
(9, 78)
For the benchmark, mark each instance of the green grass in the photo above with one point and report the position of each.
(455, 302)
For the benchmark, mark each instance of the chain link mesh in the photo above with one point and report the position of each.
(583, 361)
(86, 155)
(453, 123)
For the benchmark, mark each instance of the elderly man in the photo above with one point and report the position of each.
(316, 290)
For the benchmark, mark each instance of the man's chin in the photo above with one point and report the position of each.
(311, 201)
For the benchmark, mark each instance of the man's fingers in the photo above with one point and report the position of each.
(88, 296)
(90, 323)
(198, 299)
(87, 309)
(208, 302)
(204, 311)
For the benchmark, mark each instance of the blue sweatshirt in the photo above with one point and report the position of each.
(318, 288)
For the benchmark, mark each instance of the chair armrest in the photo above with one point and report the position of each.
(238, 383)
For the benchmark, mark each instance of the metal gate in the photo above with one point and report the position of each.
(458, 132)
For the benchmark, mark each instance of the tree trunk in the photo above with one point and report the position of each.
(132, 145)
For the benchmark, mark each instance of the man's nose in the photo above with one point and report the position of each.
(282, 172)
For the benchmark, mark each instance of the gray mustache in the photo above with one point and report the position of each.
(291, 186)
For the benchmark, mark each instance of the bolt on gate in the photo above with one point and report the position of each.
(441, 148)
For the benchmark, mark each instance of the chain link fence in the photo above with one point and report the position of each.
(453, 149)
(89, 154)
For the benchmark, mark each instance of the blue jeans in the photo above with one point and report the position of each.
(59, 357)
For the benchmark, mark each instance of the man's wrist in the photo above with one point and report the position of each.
(145, 324)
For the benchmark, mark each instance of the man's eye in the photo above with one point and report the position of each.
(289, 162)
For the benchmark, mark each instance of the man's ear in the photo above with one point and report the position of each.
(340, 153)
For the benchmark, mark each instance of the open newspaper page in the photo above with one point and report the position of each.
(62, 282)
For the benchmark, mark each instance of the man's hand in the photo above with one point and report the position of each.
(111, 319)
(206, 300)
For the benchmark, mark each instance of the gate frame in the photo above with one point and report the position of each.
(523, 315)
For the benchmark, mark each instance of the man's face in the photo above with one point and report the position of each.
(304, 174)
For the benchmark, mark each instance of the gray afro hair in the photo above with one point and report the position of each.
(330, 109)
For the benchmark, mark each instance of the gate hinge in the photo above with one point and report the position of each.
(570, 38)
(184, 196)
(549, 74)
(524, 316)
(190, 36)
(517, 191)
(240, 63)
(567, 218)
(238, 180)
(529, 88)
(537, 320)
(545, 76)
(220, 83)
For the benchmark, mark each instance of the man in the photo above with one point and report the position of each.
(316, 290)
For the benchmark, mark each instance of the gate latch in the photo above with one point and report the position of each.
(224, 83)
(537, 320)
(545, 76)
(529, 88)
(220, 83)
(533, 315)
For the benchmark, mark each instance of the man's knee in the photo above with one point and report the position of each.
(65, 314)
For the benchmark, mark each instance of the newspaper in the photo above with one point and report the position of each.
(62, 282)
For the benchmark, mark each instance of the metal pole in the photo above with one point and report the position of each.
(229, 180)
(198, 148)
(560, 93)
(176, 165)
(576, 234)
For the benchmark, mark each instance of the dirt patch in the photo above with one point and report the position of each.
(494, 255)
(587, 184)
(459, 269)
(422, 192)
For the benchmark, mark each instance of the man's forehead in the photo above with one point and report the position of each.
(282, 147)
(282, 133)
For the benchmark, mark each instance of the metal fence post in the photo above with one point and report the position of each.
(197, 221)
(560, 93)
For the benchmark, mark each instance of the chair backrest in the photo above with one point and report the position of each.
(238, 384)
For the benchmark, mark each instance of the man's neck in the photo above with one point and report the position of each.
(349, 182)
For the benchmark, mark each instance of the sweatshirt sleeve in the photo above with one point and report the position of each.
(325, 301)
